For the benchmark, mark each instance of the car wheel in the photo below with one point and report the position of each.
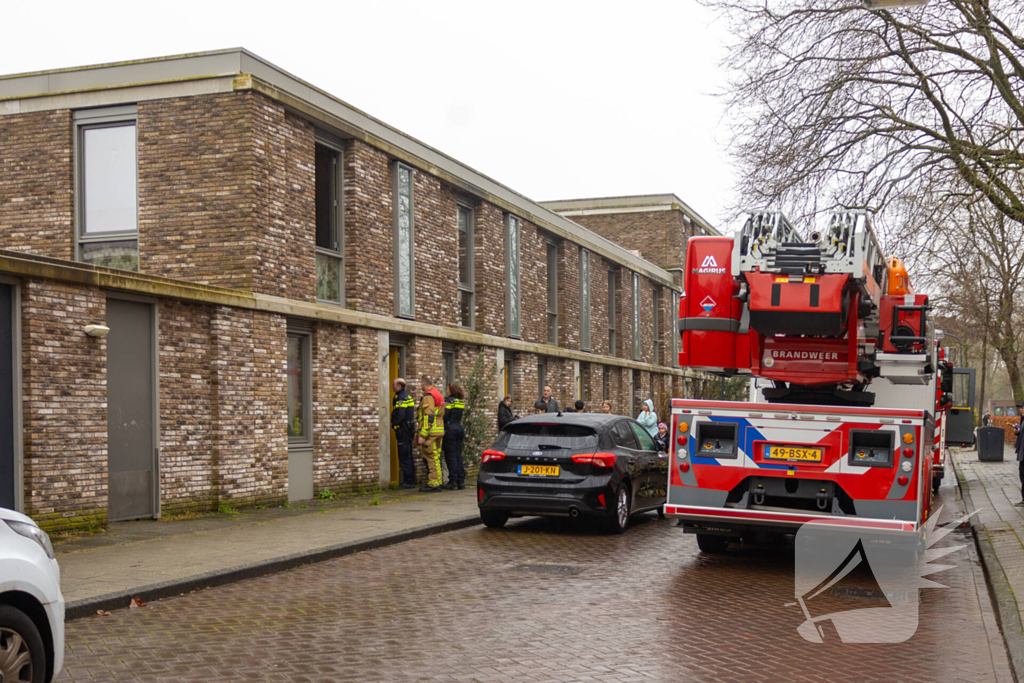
(492, 519)
(22, 657)
(715, 545)
(618, 514)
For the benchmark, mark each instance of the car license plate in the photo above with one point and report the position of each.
(797, 453)
(539, 470)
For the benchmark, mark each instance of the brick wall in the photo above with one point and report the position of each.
(369, 244)
(533, 281)
(284, 173)
(568, 295)
(250, 411)
(64, 380)
(345, 416)
(36, 196)
(659, 236)
(489, 264)
(436, 260)
(196, 205)
(186, 408)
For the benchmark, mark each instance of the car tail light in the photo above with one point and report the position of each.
(596, 459)
(491, 456)
(600, 499)
(479, 495)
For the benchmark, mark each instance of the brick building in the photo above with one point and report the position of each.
(210, 270)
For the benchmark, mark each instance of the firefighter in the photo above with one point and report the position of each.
(429, 418)
(451, 445)
(403, 422)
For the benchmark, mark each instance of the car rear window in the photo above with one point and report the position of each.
(540, 436)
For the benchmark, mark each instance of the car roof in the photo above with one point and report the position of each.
(594, 420)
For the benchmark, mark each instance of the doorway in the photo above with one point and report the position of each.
(396, 369)
(132, 489)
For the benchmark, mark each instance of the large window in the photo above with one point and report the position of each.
(612, 314)
(448, 363)
(636, 316)
(584, 300)
(107, 184)
(330, 248)
(466, 295)
(606, 390)
(552, 293)
(656, 321)
(300, 395)
(512, 292)
(542, 377)
(403, 227)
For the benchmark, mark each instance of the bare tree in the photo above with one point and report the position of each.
(916, 114)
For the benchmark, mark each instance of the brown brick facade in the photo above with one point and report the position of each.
(659, 236)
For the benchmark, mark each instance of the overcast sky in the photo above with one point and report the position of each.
(556, 100)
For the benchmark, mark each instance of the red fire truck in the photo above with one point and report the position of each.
(851, 385)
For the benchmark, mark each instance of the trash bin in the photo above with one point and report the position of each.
(990, 444)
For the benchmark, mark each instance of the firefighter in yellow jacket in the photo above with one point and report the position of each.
(430, 420)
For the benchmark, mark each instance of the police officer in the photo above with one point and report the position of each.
(454, 405)
(403, 422)
(430, 420)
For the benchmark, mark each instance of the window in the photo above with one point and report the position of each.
(606, 394)
(466, 295)
(300, 396)
(330, 251)
(403, 227)
(644, 438)
(584, 300)
(107, 193)
(584, 388)
(509, 383)
(553, 293)
(512, 327)
(623, 435)
(612, 313)
(675, 330)
(636, 316)
(656, 321)
(542, 377)
(448, 358)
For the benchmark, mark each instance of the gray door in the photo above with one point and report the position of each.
(130, 447)
(7, 471)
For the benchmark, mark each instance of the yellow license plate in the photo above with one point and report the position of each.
(539, 470)
(797, 453)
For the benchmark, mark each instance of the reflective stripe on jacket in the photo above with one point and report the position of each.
(431, 413)
(453, 409)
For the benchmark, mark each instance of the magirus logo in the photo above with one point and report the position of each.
(709, 266)
(881, 565)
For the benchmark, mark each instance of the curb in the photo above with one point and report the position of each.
(219, 577)
(1007, 612)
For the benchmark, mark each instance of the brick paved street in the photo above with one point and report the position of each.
(538, 601)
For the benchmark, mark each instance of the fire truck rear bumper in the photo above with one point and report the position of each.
(724, 517)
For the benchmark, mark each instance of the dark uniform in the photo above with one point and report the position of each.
(403, 422)
(1018, 447)
(454, 435)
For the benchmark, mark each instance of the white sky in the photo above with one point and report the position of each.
(556, 100)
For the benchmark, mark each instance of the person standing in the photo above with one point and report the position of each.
(662, 438)
(550, 402)
(454, 435)
(648, 418)
(505, 414)
(403, 422)
(581, 407)
(430, 418)
(985, 420)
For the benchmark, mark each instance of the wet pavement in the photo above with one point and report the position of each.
(537, 601)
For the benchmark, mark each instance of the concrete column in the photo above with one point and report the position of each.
(383, 396)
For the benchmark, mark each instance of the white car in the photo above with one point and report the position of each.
(31, 604)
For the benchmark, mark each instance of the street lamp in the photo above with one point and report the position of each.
(890, 4)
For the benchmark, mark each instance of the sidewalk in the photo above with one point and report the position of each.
(155, 559)
(991, 489)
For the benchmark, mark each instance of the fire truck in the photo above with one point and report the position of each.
(851, 385)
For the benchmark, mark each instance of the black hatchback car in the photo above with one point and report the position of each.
(606, 467)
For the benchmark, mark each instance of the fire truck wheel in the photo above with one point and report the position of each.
(618, 514)
(714, 545)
